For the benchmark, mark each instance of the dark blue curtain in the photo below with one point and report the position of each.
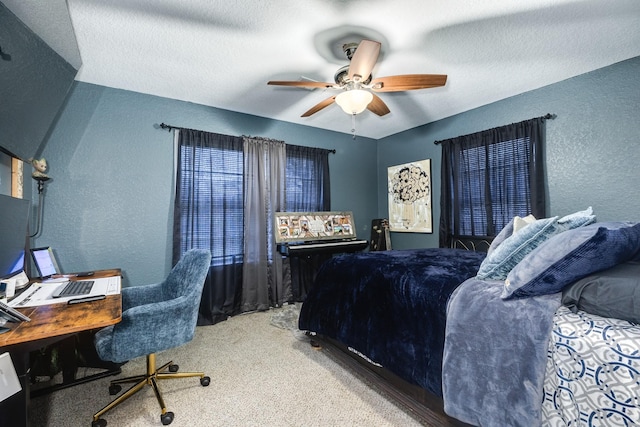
(208, 214)
(209, 210)
(489, 177)
(308, 190)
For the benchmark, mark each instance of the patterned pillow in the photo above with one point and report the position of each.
(572, 255)
(512, 250)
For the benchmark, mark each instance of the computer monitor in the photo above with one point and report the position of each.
(14, 219)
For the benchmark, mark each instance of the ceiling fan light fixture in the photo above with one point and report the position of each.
(354, 101)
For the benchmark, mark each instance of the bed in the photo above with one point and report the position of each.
(464, 345)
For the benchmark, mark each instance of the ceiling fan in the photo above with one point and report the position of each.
(357, 84)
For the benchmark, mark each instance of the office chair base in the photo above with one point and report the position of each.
(150, 378)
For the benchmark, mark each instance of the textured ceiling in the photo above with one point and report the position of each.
(222, 53)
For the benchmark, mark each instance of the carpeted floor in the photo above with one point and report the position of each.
(263, 372)
(286, 317)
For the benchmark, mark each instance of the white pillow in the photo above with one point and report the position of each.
(519, 223)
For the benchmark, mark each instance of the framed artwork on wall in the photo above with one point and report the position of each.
(409, 187)
(11, 175)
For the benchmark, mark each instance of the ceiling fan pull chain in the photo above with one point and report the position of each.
(353, 125)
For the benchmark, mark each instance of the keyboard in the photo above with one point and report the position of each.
(70, 289)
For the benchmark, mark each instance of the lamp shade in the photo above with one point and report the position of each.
(354, 101)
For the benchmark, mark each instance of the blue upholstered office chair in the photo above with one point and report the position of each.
(155, 317)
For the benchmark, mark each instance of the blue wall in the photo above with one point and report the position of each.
(592, 147)
(109, 203)
(33, 86)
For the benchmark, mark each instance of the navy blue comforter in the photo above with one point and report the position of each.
(390, 306)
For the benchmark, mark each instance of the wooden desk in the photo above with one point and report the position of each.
(51, 323)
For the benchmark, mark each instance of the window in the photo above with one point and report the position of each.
(307, 179)
(208, 206)
(210, 191)
(492, 170)
(217, 198)
(490, 177)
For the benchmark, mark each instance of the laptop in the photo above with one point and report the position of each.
(45, 262)
(47, 266)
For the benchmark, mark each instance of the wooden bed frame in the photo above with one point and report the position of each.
(422, 405)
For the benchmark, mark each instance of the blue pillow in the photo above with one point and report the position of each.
(572, 255)
(505, 233)
(578, 219)
(513, 249)
(508, 230)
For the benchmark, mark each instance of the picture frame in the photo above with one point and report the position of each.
(409, 188)
(295, 227)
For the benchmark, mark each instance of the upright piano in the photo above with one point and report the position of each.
(322, 247)
(306, 233)
(310, 238)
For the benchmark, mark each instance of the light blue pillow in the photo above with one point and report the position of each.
(572, 255)
(512, 250)
(578, 219)
(505, 233)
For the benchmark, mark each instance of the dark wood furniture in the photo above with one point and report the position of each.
(50, 324)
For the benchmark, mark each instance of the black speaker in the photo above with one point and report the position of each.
(380, 237)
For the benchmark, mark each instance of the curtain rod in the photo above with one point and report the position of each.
(547, 116)
(171, 127)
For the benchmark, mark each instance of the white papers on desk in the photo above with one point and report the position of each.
(40, 293)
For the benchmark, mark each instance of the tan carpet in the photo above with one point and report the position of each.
(262, 374)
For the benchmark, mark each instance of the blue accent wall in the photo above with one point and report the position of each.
(109, 203)
(34, 82)
(592, 151)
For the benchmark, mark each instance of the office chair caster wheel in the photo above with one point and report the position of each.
(166, 418)
(114, 389)
(205, 381)
(99, 423)
(173, 368)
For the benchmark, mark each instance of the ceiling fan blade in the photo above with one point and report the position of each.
(301, 84)
(378, 106)
(319, 106)
(364, 59)
(408, 82)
